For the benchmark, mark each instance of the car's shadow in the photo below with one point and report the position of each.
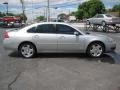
(105, 58)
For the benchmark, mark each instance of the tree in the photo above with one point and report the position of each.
(40, 18)
(116, 8)
(11, 14)
(79, 14)
(89, 9)
(22, 17)
(2, 14)
(72, 13)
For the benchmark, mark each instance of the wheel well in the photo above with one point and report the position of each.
(88, 21)
(96, 42)
(103, 21)
(27, 42)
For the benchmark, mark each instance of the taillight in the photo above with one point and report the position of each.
(5, 35)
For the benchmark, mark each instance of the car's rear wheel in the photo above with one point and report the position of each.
(87, 22)
(95, 49)
(27, 50)
(103, 23)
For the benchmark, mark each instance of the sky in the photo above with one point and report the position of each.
(34, 8)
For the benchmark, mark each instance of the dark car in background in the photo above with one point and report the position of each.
(1, 22)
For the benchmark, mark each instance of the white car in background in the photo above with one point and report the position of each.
(103, 19)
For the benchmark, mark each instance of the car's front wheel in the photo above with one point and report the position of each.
(95, 49)
(27, 50)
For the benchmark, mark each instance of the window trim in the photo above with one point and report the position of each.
(67, 33)
(99, 16)
(46, 32)
(31, 28)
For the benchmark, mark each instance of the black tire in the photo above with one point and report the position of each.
(103, 23)
(100, 53)
(87, 22)
(31, 50)
(95, 28)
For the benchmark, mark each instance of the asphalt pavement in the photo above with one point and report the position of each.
(59, 71)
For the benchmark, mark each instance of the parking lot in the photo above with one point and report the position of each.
(59, 71)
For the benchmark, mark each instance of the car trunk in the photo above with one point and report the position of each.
(116, 19)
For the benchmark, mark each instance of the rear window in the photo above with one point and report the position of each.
(109, 15)
(31, 30)
(100, 16)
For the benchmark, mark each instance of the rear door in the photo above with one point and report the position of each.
(100, 18)
(94, 19)
(45, 37)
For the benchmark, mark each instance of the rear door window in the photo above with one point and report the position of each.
(108, 15)
(46, 28)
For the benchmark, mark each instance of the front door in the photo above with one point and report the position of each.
(67, 40)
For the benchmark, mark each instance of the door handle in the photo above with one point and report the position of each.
(62, 37)
(36, 36)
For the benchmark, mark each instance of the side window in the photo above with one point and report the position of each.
(100, 16)
(64, 29)
(32, 30)
(108, 15)
(45, 28)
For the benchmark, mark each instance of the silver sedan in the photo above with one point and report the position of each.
(56, 37)
(104, 19)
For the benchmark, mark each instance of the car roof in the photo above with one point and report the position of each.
(36, 24)
(50, 23)
(103, 14)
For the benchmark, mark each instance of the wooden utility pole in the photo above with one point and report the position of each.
(48, 10)
(23, 10)
(6, 3)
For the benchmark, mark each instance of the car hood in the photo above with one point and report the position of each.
(96, 36)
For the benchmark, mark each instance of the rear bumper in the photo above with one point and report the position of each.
(113, 22)
(8, 45)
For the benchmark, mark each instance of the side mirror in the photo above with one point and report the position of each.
(76, 33)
